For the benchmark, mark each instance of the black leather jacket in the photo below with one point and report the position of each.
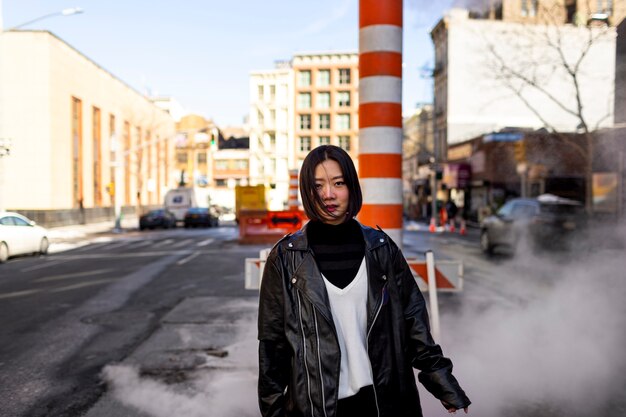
(299, 356)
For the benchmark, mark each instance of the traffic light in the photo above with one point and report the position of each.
(519, 151)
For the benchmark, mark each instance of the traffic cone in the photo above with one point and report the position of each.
(452, 226)
(433, 227)
(462, 230)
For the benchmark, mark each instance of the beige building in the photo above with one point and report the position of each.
(211, 161)
(310, 101)
(72, 124)
(326, 101)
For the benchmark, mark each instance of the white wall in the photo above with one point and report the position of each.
(478, 100)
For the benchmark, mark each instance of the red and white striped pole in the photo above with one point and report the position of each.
(380, 114)
(292, 203)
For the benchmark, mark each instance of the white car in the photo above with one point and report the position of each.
(20, 236)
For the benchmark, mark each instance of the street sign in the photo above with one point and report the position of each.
(448, 275)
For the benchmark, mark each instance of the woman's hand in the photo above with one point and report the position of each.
(452, 409)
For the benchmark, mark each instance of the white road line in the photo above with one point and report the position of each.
(17, 294)
(205, 242)
(74, 275)
(119, 244)
(188, 258)
(83, 285)
(182, 243)
(41, 266)
(163, 242)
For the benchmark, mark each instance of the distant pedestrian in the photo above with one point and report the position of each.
(342, 322)
(451, 210)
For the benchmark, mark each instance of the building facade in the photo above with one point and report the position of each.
(211, 161)
(303, 103)
(326, 102)
(492, 74)
(272, 148)
(74, 128)
(417, 150)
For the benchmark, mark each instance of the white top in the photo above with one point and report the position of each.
(349, 309)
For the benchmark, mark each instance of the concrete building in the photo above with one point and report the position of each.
(306, 102)
(480, 65)
(417, 149)
(210, 160)
(326, 102)
(72, 124)
(272, 149)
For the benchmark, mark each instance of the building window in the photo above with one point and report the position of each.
(344, 142)
(260, 92)
(221, 165)
(529, 8)
(201, 158)
(113, 145)
(305, 121)
(304, 144)
(241, 164)
(304, 100)
(77, 150)
(344, 76)
(343, 122)
(181, 157)
(323, 100)
(260, 117)
(324, 121)
(220, 182)
(323, 78)
(324, 140)
(304, 78)
(97, 156)
(126, 152)
(272, 142)
(272, 92)
(343, 98)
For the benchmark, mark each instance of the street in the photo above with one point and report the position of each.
(158, 323)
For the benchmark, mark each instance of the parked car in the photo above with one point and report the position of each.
(20, 236)
(201, 216)
(157, 218)
(548, 222)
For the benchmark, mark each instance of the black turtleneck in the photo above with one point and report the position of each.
(338, 250)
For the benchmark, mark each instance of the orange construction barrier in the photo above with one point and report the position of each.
(433, 227)
(462, 230)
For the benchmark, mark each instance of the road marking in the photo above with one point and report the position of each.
(119, 244)
(182, 243)
(83, 285)
(41, 266)
(205, 242)
(188, 258)
(74, 275)
(164, 242)
(17, 294)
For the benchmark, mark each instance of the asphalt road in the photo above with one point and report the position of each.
(64, 316)
(530, 335)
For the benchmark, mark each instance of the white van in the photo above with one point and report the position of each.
(179, 200)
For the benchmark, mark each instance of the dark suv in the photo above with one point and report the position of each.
(548, 221)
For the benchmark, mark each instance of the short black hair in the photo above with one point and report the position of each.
(311, 200)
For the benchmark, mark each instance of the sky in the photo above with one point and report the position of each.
(201, 52)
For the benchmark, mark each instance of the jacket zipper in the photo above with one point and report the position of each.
(380, 306)
(308, 377)
(319, 361)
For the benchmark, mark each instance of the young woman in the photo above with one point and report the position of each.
(342, 322)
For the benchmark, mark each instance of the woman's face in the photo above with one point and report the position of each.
(333, 191)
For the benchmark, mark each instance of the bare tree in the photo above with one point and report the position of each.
(549, 66)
